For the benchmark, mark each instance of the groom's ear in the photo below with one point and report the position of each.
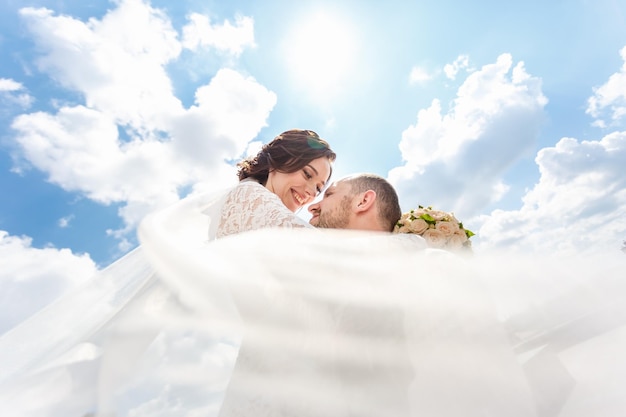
(365, 201)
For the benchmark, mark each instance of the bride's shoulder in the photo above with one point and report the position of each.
(250, 192)
(250, 187)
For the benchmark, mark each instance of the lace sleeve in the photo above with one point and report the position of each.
(251, 206)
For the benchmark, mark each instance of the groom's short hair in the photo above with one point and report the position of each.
(389, 211)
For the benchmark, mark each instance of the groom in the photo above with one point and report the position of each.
(358, 202)
(367, 202)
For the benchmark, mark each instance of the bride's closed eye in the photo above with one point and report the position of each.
(308, 176)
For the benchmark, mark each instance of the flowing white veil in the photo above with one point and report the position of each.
(283, 322)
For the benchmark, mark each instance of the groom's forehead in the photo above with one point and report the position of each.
(332, 188)
(339, 185)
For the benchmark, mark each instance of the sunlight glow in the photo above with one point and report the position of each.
(321, 53)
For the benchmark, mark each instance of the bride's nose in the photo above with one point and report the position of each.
(311, 192)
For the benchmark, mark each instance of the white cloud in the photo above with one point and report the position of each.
(455, 161)
(228, 113)
(117, 63)
(254, 148)
(132, 141)
(578, 205)
(232, 39)
(609, 100)
(65, 221)
(451, 70)
(80, 150)
(26, 287)
(10, 93)
(419, 75)
(6, 84)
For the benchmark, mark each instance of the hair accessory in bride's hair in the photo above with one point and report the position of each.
(439, 228)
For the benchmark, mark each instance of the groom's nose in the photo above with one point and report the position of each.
(313, 208)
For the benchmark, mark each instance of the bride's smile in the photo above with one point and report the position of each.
(295, 189)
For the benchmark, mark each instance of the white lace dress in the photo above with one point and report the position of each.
(251, 206)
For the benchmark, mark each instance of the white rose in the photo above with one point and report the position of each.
(448, 228)
(402, 229)
(457, 240)
(453, 219)
(418, 226)
(439, 215)
(435, 238)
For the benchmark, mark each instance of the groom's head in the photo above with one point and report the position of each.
(360, 202)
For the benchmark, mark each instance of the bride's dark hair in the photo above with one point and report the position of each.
(288, 152)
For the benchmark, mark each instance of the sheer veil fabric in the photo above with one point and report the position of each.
(297, 321)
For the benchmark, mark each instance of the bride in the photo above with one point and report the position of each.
(333, 322)
(79, 331)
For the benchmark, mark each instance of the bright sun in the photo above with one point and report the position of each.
(320, 53)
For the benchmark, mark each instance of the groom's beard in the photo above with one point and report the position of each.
(337, 218)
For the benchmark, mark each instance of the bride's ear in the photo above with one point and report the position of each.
(365, 201)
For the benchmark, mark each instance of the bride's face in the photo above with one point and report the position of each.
(299, 188)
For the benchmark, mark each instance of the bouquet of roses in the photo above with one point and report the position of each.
(439, 229)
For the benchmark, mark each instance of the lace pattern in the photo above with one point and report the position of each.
(250, 206)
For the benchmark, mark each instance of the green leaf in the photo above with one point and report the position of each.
(428, 218)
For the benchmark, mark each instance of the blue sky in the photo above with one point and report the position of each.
(510, 115)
